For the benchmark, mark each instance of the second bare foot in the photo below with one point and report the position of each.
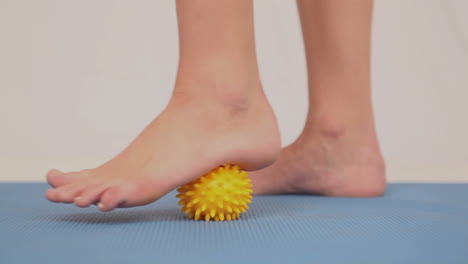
(332, 164)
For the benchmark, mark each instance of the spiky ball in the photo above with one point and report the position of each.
(221, 194)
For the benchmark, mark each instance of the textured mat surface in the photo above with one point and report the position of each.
(413, 223)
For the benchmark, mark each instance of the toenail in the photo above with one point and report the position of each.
(78, 198)
(100, 205)
(53, 172)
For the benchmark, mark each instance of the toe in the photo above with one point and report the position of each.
(65, 194)
(130, 194)
(54, 177)
(58, 178)
(111, 198)
(51, 195)
(90, 196)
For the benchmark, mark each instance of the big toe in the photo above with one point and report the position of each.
(57, 178)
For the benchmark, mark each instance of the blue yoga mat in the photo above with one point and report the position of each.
(412, 223)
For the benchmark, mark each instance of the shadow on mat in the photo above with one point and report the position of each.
(122, 217)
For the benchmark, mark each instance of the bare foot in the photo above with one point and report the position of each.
(191, 136)
(332, 164)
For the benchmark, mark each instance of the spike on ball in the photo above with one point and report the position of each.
(221, 194)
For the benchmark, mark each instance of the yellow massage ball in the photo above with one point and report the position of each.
(221, 194)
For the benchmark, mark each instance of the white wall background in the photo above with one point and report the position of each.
(79, 79)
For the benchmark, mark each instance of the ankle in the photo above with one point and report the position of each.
(230, 110)
(338, 141)
(235, 94)
(335, 126)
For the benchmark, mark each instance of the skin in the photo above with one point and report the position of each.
(219, 114)
(338, 152)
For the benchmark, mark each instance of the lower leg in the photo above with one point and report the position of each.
(337, 153)
(337, 41)
(218, 114)
(217, 50)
